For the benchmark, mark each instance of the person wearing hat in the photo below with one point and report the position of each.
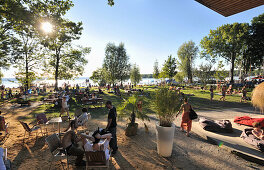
(64, 106)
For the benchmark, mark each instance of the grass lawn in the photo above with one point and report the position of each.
(200, 101)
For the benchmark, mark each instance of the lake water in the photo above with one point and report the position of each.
(81, 81)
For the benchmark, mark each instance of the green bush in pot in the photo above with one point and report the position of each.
(167, 103)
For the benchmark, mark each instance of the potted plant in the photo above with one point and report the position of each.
(133, 108)
(167, 103)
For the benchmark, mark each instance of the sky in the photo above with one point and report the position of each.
(150, 29)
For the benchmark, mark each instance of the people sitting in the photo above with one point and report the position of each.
(83, 118)
(69, 142)
(96, 145)
(257, 131)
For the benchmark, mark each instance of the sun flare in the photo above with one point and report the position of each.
(47, 27)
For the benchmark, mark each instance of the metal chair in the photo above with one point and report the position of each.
(96, 159)
(29, 130)
(42, 121)
(55, 148)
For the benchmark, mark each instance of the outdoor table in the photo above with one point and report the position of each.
(56, 120)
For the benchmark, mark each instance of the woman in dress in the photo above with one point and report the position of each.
(186, 123)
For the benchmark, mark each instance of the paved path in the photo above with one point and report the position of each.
(232, 142)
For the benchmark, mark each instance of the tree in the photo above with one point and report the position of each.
(11, 13)
(30, 53)
(64, 61)
(187, 53)
(204, 73)
(99, 77)
(156, 71)
(220, 73)
(226, 42)
(123, 67)
(179, 77)
(169, 68)
(135, 76)
(255, 53)
(116, 63)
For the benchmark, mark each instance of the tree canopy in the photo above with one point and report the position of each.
(227, 41)
(169, 68)
(156, 71)
(116, 63)
(187, 53)
(135, 76)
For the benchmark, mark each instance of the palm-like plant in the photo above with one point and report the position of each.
(133, 107)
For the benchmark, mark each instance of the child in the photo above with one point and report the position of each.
(257, 131)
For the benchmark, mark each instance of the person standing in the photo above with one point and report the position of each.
(244, 94)
(211, 93)
(186, 123)
(111, 126)
(223, 93)
(64, 106)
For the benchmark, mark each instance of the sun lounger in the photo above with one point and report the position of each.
(29, 130)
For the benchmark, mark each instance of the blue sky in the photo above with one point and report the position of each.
(150, 29)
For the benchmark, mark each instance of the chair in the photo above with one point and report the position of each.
(29, 130)
(96, 159)
(3, 125)
(55, 148)
(42, 121)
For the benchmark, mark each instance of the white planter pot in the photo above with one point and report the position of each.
(165, 136)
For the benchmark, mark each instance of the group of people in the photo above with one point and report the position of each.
(99, 140)
(225, 91)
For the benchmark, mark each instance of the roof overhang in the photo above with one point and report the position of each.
(230, 7)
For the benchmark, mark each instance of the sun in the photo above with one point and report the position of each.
(47, 27)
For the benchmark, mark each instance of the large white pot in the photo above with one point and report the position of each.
(165, 136)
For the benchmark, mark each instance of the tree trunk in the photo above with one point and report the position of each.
(27, 72)
(232, 69)
(133, 117)
(57, 70)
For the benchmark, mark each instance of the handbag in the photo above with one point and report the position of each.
(192, 114)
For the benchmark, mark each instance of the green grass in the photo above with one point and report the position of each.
(200, 101)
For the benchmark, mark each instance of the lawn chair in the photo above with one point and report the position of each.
(96, 159)
(29, 130)
(55, 148)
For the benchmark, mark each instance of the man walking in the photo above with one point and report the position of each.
(111, 126)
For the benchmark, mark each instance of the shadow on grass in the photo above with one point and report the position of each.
(205, 104)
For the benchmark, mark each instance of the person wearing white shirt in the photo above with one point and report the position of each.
(98, 142)
(83, 118)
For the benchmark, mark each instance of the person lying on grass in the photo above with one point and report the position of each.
(96, 145)
(257, 131)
